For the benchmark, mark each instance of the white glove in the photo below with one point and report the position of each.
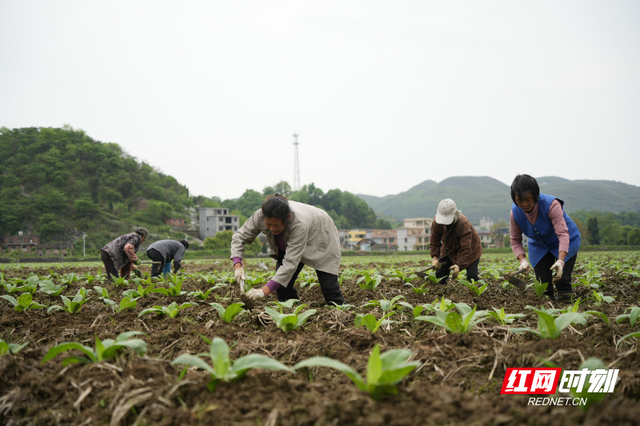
(558, 266)
(239, 274)
(524, 264)
(255, 293)
(455, 270)
(435, 263)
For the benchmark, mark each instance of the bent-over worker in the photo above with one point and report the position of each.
(164, 251)
(299, 234)
(120, 254)
(554, 239)
(452, 234)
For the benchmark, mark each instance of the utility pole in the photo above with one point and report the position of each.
(296, 167)
(84, 253)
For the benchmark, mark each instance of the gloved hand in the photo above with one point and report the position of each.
(524, 264)
(239, 274)
(138, 262)
(255, 293)
(455, 270)
(558, 266)
(435, 263)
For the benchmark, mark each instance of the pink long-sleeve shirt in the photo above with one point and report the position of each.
(556, 214)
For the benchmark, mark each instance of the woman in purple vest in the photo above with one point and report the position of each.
(554, 239)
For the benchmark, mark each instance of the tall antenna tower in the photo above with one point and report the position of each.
(296, 166)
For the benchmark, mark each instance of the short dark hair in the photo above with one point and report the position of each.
(276, 206)
(185, 244)
(523, 184)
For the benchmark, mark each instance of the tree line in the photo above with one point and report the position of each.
(346, 209)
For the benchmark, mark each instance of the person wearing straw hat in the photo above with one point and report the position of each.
(120, 254)
(453, 235)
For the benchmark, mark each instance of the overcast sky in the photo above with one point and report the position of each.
(384, 94)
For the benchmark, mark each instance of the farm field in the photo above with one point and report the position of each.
(450, 372)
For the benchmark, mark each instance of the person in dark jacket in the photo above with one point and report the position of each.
(453, 235)
(120, 254)
(164, 251)
(554, 239)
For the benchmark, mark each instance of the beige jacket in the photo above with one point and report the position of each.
(311, 238)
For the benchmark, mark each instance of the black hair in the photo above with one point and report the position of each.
(523, 184)
(276, 206)
(184, 243)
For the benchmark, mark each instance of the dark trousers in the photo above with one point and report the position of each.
(156, 256)
(329, 286)
(544, 274)
(112, 272)
(472, 272)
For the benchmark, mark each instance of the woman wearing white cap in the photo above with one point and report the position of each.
(453, 235)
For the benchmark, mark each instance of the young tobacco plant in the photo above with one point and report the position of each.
(475, 286)
(539, 287)
(227, 315)
(48, 287)
(200, 295)
(598, 298)
(14, 348)
(31, 285)
(222, 367)
(71, 306)
(502, 317)
(631, 313)
(384, 304)
(171, 310)
(288, 322)
(550, 326)
(141, 291)
(384, 371)
(106, 349)
(368, 282)
(175, 288)
(10, 288)
(23, 303)
(371, 322)
(454, 322)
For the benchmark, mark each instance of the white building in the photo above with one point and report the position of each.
(216, 219)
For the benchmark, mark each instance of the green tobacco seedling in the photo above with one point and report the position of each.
(228, 314)
(371, 322)
(71, 306)
(48, 287)
(106, 349)
(455, 322)
(171, 310)
(539, 287)
(368, 282)
(475, 286)
(504, 318)
(23, 303)
(631, 313)
(550, 326)
(384, 304)
(288, 322)
(223, 368)
(14, 348)
(384, 371)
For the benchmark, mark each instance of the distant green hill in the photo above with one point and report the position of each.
(58, 183)
(483, 196)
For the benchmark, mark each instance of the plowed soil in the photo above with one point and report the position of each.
(458, 383)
